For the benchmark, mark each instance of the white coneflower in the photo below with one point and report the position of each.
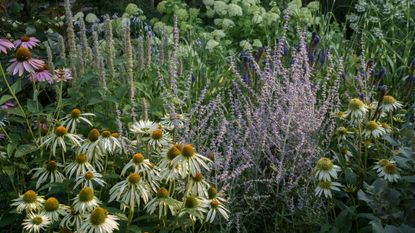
(143, 128)
(35, 223)
(58, 138)
(357, 109)
(389, 172)
(198, 186)
(49, 172)
(99, 221)
(190, 160)
(216, 206)
(145, 168)
(194, 207)
(79, 166)
(130, 191)
(88, 179)
(325, 169)
(85, 201)
(169, 170)
(72, 120)
(72, 220)
(53, 209)
(29, 202)
(325, 187)
(170, 121)
(373, 129)
(389, 104)
(164, 203)
(342, 133)
(138, 163)
(109, 143)
(382, 163)
(386, 127)
(92, 148)
(158, 139)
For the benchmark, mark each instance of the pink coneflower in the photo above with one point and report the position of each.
(42, 74)
(4, 45)
(7, 105)
(62, 74)
(23, 61)
(27, 42)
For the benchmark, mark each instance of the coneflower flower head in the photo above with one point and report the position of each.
(325, 169)
(373, 129)
(23, 61)
(41, 74)
(357, 109)
(29, 202)
(35, 223)
(162, 193)
(389, 104)
(324, 187)
(5, 45)
(99, 221)
(27, 42)
(93, 135)
(389, 172)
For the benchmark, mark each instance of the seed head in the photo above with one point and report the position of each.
(29, 196)
(173, 152)
(212, 192)
(138, 158)
(81, 158)
(86, 194)
(372, 125)
(388, 99)
(157, 134)
(23, 54)
(198, 177)
(324, 164)
(51, 165)
(390, 168)
(75, 113)
(93, 135)
(191, 202)
(37, 220)
(324, 184)
(89, 175)
(214, 203)
(106, 134)
(134, 178)
(98, 216)
(51, 204)
(162, 193)
(188, 151)
(355, 104)
(60, 131)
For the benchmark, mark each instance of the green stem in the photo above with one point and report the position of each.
(18, 104)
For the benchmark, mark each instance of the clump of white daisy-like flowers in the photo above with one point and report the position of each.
(326, 173)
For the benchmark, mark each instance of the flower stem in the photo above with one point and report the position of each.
(18, 104)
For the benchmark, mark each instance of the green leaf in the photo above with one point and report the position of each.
(17, 86)
(5, 98)
(362, 196)
(24, 150)
(410, 179)
(377, 226)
